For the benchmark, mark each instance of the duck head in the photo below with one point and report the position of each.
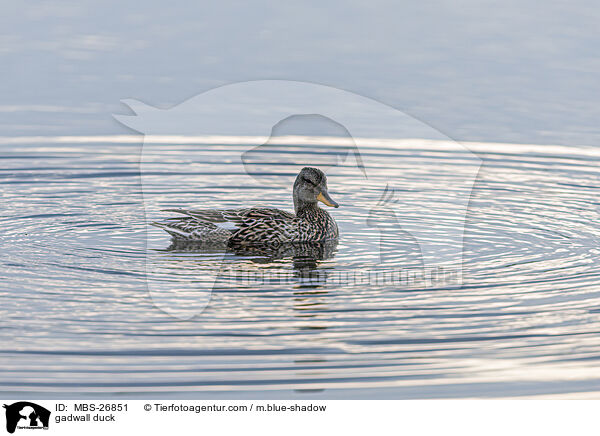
(309, 188)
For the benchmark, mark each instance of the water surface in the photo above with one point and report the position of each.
(78, 318)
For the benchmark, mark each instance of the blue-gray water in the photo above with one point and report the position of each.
(519, 72)
(77, 318)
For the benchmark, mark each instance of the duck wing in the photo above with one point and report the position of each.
(251, 226)
(235, 215)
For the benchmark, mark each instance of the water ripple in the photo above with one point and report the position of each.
(77, 317)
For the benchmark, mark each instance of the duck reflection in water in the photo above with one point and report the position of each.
(306, 257)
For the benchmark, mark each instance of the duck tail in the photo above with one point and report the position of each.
(173, 231)
(192, 229)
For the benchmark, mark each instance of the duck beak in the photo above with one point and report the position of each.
(326, 199)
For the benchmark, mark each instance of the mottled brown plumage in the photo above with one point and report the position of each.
(262, 226)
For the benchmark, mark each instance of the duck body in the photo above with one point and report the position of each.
(262, 226)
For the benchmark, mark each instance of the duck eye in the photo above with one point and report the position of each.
(308, 181)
